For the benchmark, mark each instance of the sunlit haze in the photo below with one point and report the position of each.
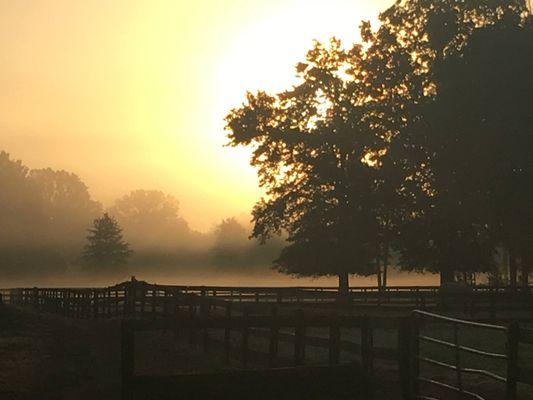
(132, 94)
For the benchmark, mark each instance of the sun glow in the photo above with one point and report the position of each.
(133, 93)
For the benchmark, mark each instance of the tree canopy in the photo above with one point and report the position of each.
(151, 219)
(66, 204)
(43, 217)
(369, 150)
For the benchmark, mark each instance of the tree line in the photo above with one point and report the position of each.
(50, 225)
(413, 143)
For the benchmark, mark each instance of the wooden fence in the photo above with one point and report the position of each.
(141, 297)
(340, 381)
(408, 354)
(267, 313)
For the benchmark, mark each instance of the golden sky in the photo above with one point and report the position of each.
(132, 94)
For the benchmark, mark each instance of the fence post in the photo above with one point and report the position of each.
(244, 338)
(127, 359)
(166, 302)
(274, 338)
(227, 335)
(334, 341)
(108, 303)
(205, 316)
(513, 333)
(66, 302)
(176, 312)
(127, 298)
(35, 297)
(366, 346)
(117, 303)
(414, 362)
(492, 304)
(77, 304)
(192, 332)
(299, 339)
(457, 357)
(95, 304)
(404, 353)
(154, 300)
(143, 299)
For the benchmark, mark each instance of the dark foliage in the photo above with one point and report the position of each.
(378, 146)
(105, 247)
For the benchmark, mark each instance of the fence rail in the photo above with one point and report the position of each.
(514, 334)
(247, 325)
(138, 296)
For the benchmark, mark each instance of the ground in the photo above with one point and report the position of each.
(46, 356)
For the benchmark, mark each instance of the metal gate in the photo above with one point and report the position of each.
(511, 334)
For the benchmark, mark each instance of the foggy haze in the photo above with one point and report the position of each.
(133, 94)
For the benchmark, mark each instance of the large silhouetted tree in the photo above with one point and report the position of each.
(348, 156)
(481, 130)
(440, 225)
(106, 247)
(317, 153)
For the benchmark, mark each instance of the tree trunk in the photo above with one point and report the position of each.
(525, 273)
(344, 285)
(525, 276)
(378, 275)
(446, 276)
(385, 266)
(512, 269)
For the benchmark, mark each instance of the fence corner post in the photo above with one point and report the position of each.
(127, 360)
(513, 333)
(412, 356)
(367, 356)
(299, 338)
(404, 351)
(227, 334)
(273, 339)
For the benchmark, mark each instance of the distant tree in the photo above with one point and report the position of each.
(24, 226)
(151, 219)
(230, 242)
(230, 233)
(22, 219)
(67, 205)
(233, 249)
(106, 246)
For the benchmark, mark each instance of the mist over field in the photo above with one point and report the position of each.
(47, 214)
(211, 276)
